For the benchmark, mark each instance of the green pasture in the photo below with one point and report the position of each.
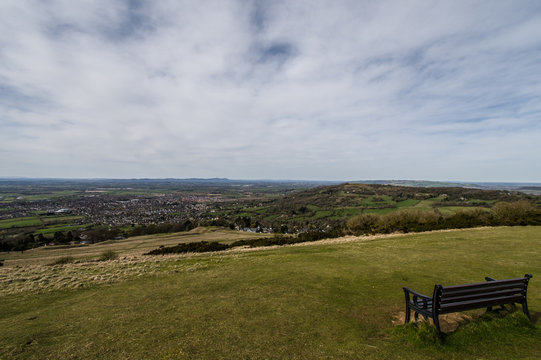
(371, 201)
(23, 196)
(47, 223)
(48, 196)
(407, 203)
(20, 222)
(330, 300)
(426, 204)
(59, 219)
(379, 211)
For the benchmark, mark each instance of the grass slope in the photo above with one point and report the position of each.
(132, 246)
(324, 300)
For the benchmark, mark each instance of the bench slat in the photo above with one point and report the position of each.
(465, 291)
(478, 296)
(475, 304)
(482, 285)
(419, 305)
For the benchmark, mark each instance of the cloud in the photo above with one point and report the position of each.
(271, 89)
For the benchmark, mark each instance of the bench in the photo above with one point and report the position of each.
(449, 299)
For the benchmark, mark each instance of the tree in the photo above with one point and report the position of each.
(41, 239)
(59, 237)
(30, 239)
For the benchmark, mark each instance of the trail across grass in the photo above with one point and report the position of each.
(333, 299)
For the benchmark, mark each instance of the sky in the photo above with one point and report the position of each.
(313, 90)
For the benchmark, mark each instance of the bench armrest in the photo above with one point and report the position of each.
(415, 293)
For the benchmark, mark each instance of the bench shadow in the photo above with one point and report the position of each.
(536, 315)
(449, 323)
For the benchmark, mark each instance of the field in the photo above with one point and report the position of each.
(131, 247)
(329, 299)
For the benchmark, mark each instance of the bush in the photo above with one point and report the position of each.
(205, 246)
(108, 255)
(467, 219)
(63, 260)
(364, 223)
(285, 240)
(410, 220)
(520, 212)
(202, 246)
(404, 220)
(162, 228)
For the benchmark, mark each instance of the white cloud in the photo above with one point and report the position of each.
(266, 89)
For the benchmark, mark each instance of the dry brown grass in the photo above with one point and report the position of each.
(41, 278)
(36, 271)
(135, 246)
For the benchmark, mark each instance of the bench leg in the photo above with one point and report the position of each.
(408, 310)
(408, 314)
(525, 309)
(437, 324)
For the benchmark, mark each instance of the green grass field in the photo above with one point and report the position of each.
(46, 225)
(327, 300)
(20, 222)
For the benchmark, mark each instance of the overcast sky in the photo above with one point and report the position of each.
(326, 90)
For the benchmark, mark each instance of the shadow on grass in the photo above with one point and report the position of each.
(487, 332)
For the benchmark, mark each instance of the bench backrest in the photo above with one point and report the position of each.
(455, 298)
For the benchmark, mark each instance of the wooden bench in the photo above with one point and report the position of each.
(449, 299)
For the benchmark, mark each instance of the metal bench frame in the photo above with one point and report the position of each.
(449, 299)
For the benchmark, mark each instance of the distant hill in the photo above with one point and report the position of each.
(530, 188)
(318, 207)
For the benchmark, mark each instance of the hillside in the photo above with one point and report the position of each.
(334, 205)
(331, 299)
(34, 213)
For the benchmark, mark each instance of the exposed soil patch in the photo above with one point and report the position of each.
(448, 322)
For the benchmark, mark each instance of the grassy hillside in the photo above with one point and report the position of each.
(333, 299)
(131, 247)
(281, 208)
(318, 207)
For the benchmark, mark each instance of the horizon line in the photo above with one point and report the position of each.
(14, 178)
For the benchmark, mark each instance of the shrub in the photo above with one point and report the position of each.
(202, 246)
(520, 212)
(108, 255)
(467, 218)
(363, 224)
(308, 236)
(63, 260)
(162, 228)
(410, 220)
